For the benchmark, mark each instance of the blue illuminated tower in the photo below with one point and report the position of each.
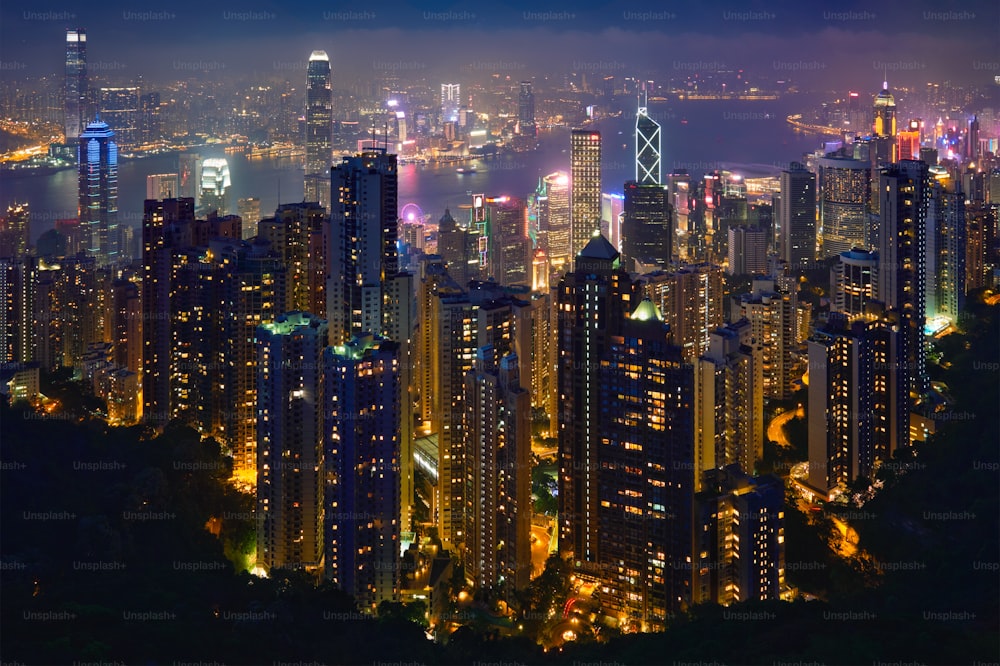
(98, 190)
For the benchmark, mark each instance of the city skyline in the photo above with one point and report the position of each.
(402, 340)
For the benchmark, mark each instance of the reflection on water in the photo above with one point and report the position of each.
(697, 136)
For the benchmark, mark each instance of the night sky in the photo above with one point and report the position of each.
(823, 46)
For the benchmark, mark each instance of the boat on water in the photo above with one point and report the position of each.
(465, 170)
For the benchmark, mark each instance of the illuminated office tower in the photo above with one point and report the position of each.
(854, 283)
(612, 207)
(885, 113)
(162, 186)
(290, 437)
(729, 401)
(362, 253)
(510, 246)
(361, 469)
(946, 250)
(466, 321)
(645, 475)
(691, 300)
(98, 193)
(319, 128)
(76, 83)
(593, 302)
(908, 142)
(797, 217)
(215, 183)
(904, 198)
(883, 143)
(858, 400)
(739, 538)
(647, 228)
(120, 110)
(845, 190)
(15, 230)
(298, 234)
(451, 102)
(747, 248)
(526, 110)
(647, 148)
(679, 195)
(773, 315)
(584, 188)
(249, 211)
(497, 553)
(859, 120)
(554, 220)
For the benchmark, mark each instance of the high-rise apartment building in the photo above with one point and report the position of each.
(497, 553)
(904, 198)
(592, 303)
(361, 469)
(691, 300)
(290, 427)
(363, 255)
(120, 110)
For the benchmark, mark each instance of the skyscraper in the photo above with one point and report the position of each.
(647, 149)
(319, 128)
(467, 321)
(298, 234)
(691, 301)
(883, 130)
(362, 471)
(451, 102)
(215, 184)
(773, 314)
(554, 219)
(946, 250)
(510, 247)
(904, 198)
(76, 83)
(363, 253)
(98, 190)
(645, 473)
(858, 400)
(584, 188)
(526, 110)
(729, 401)
(593, 302)
(497, 554)
(798, 216)
(854, 282)
(290, 426)
(747, 250)
(845, 190)
(647, 228)
(739, 549)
